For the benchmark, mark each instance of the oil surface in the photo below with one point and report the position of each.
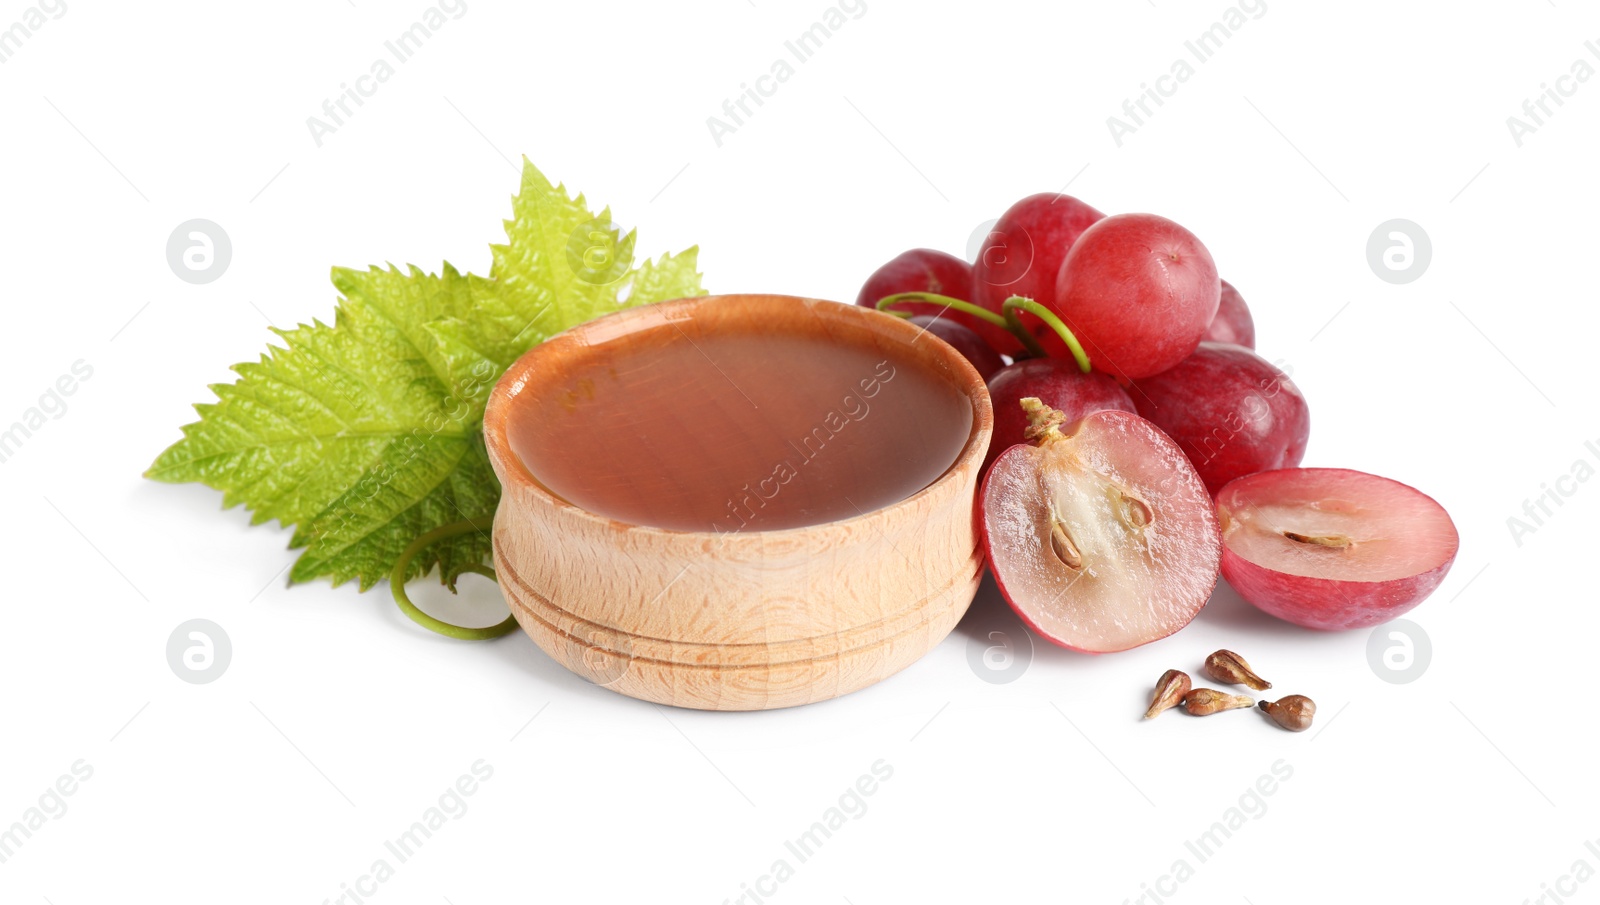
(738, 430)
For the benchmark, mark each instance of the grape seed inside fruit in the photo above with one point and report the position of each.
(1330, 548)
(1101, 538)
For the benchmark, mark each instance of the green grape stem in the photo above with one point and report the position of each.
(1055, 323)
(1009, 319)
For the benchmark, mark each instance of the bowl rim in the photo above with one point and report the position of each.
(510, 468)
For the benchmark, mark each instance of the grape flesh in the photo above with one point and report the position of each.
(1331, 548)
(1102, 539)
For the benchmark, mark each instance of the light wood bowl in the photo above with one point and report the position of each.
(739, 621)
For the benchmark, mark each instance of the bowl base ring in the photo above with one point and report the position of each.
(739, 676)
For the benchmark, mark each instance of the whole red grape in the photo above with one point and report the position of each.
(922, 270)
(1138, 291)
(971, 346)
(1022, 255)
(1229, 410)
(1233, 323)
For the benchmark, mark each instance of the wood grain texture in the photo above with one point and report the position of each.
(740, 620)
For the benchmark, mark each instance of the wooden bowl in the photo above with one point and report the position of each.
(720, 619)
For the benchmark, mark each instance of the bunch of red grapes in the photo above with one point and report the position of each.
(1141, 446)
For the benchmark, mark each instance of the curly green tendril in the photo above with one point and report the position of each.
(397, 583)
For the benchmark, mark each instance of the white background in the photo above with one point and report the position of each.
(338, 722)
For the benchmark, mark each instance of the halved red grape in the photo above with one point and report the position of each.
(1330, 548)
(1102, 538)
(1022, 255)
(1138, 291)
(1233, 323)
(969, 344)
(1057, 383)
(1231, 411)
(922, 270)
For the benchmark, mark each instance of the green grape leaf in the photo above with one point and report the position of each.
(368, 433)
